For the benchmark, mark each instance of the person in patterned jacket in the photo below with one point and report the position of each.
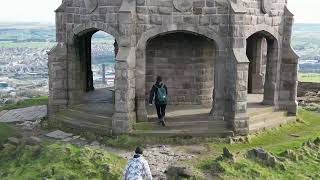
(137, 168)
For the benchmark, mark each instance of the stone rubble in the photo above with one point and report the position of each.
(59, 135)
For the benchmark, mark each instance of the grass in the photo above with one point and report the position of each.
(302, 163)
(42, 100)
(276, 141)
(309, 77)
(59, 161)
(5, 132)
(131, 142)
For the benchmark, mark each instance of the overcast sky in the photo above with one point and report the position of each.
(306, 11)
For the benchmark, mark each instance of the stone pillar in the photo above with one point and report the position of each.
(58, 79)
(237, 70)
(240, 121)
(257, 54)
(289, 69)
(125, 114)
(141, 98)
(218, 104)
(272, 73)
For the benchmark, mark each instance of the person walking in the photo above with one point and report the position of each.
(159, 92)
(137, 167)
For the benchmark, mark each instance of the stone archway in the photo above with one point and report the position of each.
(186, 63)
(263, 76)
(219, 76)
(84, 61)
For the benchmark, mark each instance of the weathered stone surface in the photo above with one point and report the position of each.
(58, 134)
(183, 5)
(91, 5)
(24, 114)
(205, 53)
(176, 172)
(266, 6)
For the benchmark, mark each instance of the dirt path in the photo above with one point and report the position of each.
(160, 157)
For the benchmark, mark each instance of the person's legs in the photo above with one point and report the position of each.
(158, 107)
(163, 110)
(163, 113)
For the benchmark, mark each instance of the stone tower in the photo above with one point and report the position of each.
(203, 49)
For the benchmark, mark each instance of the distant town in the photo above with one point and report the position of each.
(24, 63)
(24, 48)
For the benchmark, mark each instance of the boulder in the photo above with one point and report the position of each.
(13, 141)
(263, 156)
(227, 153)
(179, 171)
(32, 140)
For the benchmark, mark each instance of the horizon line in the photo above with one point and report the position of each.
(53, 23)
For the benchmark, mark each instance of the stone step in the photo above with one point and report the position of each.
(88, 117)
(189, 125)
(183, 118)
(83, 126)
(105, 109)
(261, 110)
(196, 132)
(265, 117)
(273, 123)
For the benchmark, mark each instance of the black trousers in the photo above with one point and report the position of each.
(161, 110)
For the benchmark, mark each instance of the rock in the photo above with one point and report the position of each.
(263, 156)
(95, 143)
(227, 153)
(317, 141)
(32, 140)
(309, 144)
(13, 141)
(106, 167)
(258, 153)
(290, 154)
(271, 160)
(179, 171)
(311, 93)
(58, 135)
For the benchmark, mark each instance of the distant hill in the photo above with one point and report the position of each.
(306, 37)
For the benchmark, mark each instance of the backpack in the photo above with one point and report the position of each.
(161, 94)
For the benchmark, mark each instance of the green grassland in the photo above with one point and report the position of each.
(6, 132)
(275, 141)
(309, 77)
(58, 161)
(42, 100)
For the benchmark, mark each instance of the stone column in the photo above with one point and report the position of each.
(272, 73)
(58, 91)
(289, 69)
(140, 85)
(125, 115)
(240, 93)
(257, 70)
(218, 105)
(236, 108)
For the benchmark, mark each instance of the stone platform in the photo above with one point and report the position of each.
(96, 111)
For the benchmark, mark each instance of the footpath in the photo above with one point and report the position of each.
(27, 122)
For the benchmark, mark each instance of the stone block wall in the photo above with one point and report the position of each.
(134, 23)
(185, 61)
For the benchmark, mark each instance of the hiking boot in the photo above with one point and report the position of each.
(163, 123)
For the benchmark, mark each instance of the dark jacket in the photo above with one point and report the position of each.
(154, 92)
